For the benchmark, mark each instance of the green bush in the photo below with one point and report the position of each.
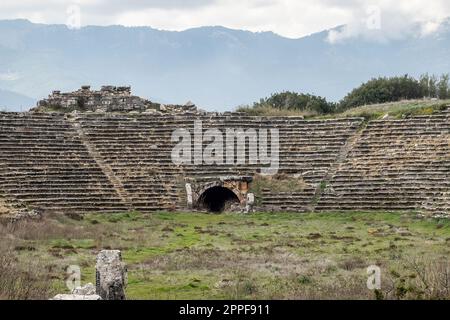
(294, 102)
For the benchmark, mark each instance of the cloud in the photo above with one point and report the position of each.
(379, 20)
(9, 76)
(389, 20)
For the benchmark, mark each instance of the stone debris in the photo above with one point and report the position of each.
(13, 211)
(403, 232)
(27, 214)
(250, 203)
(76, 297)
(88, 289)
(432, 215)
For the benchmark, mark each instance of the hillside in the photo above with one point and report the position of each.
(397, 109)
(376, 111)
(215, 67)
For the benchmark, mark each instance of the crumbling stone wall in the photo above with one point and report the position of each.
(238, 184)
(15, 211)
(107, 99)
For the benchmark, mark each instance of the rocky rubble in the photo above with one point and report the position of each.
(16, 212)
(107, 99)
(86, 292)
(27, 214)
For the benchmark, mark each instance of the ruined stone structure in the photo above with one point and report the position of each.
(116, 162)
(111, 280)
(111, 275)
(107, 99)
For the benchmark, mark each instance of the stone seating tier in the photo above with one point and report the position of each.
(116, 162)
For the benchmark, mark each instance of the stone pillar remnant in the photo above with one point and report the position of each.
(110, 275)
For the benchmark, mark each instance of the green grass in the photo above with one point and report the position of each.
(396, 110)
(274, 112)
(257, 256)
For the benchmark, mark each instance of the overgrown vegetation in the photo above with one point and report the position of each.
(21, 279)
(382, 90)
(234, 256)
(370, 94)
(276, 183)
(291, 101)
(395, 110)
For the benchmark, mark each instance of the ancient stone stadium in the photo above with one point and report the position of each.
(108, 151)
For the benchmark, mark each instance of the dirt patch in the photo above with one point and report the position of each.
(313, 236)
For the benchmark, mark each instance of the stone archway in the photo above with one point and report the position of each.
(216, 199)
(214, 195)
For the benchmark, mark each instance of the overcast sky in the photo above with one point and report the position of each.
(290, 18)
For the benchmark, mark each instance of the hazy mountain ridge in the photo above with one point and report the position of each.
(12, 101)
(216, 67)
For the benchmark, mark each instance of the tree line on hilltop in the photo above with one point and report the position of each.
(377, 90)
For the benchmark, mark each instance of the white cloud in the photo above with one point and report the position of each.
(290, 18)
(9, 76)
(385, 20)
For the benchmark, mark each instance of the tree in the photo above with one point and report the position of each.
(381, 90)
(296, 101)
(443, 87)
(424, 81)
(433, 86)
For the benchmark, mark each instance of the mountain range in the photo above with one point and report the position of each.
(215, 67)
(12, 101)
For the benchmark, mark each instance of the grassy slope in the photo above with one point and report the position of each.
(397, 109)
(282, 256)
(376, 111)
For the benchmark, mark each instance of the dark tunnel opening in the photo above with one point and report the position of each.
(216, 199)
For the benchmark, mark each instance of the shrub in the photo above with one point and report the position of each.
(292, 101)
(22, 281)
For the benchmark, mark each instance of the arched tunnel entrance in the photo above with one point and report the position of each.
(217, 199)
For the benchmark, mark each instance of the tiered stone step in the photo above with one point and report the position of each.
(395, 165)
(138, 149)
(44, 165)
(287, 201)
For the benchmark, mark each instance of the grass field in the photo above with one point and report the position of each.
(396, 109)
(234, 256)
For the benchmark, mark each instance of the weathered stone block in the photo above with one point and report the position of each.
(88, 289)
(76, 297)
(110, 275)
